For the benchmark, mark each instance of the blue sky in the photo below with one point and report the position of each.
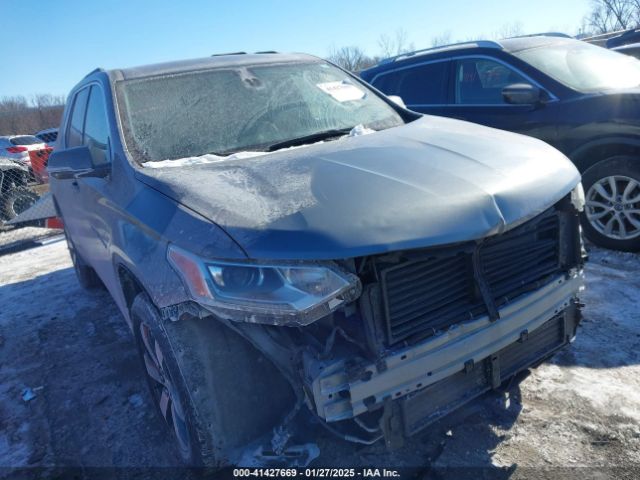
(48, 46)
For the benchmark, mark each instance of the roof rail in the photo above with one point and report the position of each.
(629, 36)
(229, 53)
(266, 51)
(603, 37)
(95, 70)
(444, 48)
(543, 34)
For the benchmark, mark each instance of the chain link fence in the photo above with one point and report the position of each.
(23, 182)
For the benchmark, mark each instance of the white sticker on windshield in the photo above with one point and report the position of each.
(342, 91)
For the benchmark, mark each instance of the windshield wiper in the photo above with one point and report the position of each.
(314, 137)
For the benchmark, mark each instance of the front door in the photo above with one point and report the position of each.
(477, 97)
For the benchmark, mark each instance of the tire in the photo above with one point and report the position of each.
(87, 276)
(213, 389)
(17, 201)
(611, 217)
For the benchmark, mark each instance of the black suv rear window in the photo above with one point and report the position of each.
(418, 85)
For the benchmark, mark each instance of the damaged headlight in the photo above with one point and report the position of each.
(577, 197)
(294, 294)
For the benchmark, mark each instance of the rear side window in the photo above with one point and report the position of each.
(419, 85)
(25, 140)
(96, 132)
(479, 81)
(74, 132)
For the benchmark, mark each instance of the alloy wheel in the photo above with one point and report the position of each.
(163, 388)
(613, 207)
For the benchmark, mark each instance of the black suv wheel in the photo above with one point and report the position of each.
(612, 212)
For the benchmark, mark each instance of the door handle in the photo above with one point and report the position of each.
(75, 184)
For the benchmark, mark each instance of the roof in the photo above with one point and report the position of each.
(517, 44)
(46, 130)
(513, 44)
(215, 61)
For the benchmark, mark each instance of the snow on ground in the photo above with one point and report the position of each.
(12, 236)
(581, 409)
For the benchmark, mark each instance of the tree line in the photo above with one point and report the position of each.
(612, 16)
(604, 16)
(22, 115)
(354, 58)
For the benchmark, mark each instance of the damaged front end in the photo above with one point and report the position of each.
(403, 338)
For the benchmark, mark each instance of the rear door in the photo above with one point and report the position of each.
(424, 86)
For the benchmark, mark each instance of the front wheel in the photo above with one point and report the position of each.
(213, 389)
(611, 217)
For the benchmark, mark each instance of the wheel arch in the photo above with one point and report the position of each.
(591, 153)
(129, 284)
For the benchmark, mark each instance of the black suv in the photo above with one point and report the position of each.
(582, 99)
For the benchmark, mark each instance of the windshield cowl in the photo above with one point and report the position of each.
(356, 131)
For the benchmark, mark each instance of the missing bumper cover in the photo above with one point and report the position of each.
(419, 366)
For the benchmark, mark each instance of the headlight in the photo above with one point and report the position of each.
(294, 294)
(577, 197)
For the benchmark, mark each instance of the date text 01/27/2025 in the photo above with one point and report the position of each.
(315, 472)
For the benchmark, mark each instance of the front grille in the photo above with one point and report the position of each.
(426, 295)
(518, 259)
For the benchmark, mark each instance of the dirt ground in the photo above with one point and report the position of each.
(577, 415)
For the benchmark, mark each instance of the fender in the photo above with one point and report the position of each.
(588, 153)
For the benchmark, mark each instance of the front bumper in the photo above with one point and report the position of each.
(342, 390)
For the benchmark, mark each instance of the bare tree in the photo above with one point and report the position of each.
(396, 45)
(350, 58)
(19, 115)
(443, 38)
(612, 15)
(508, 30)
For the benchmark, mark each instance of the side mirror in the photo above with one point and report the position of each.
(522, 94)
(397, 100)
(74, 162)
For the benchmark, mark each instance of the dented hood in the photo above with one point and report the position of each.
(434, 181)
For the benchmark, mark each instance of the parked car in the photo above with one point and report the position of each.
(48, 136)
(632, 49)
(17, 147)
(582, 99)
(623, 38)
(286, 243)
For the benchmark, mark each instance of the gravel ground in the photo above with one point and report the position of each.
(577, 415)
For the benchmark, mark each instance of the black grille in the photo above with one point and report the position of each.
(516, 260)
(423, 296)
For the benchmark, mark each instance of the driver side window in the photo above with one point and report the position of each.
(96, 129)
(479, 81)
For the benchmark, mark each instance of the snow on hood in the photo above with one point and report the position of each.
(434, 181)
(212, 158)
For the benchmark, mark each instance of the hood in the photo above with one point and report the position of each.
(434, 181)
